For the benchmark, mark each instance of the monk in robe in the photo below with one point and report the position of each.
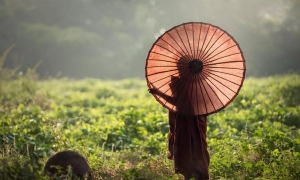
(187, 136)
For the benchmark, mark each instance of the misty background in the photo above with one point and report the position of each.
(110, 39)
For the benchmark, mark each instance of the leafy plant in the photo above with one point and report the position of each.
(122, 130)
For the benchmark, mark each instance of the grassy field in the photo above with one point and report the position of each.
(122, 131)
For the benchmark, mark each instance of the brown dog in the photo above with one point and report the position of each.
(59, 162)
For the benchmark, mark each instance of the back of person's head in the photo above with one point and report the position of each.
(57, 165)
(182, 65)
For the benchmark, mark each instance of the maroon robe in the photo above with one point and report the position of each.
(188, 146)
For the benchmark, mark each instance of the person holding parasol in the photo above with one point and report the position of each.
(193, 70)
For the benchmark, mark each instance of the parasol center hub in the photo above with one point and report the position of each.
(195, 66)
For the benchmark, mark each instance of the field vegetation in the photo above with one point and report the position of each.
(122, 131)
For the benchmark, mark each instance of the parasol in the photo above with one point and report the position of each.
(195, 68)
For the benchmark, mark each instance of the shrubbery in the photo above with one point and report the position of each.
(122, 130)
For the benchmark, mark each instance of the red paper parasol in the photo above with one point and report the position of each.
(195, 68)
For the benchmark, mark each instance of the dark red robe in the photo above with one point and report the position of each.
(188, 146)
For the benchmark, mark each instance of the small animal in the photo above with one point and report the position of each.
(58, 164)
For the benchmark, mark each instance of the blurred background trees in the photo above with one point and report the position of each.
(111, 39)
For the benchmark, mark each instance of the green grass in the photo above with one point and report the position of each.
(122, 131)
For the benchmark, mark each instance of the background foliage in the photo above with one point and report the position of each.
(120, 128)
(111, 39)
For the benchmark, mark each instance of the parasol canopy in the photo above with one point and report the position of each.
(195, 68)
